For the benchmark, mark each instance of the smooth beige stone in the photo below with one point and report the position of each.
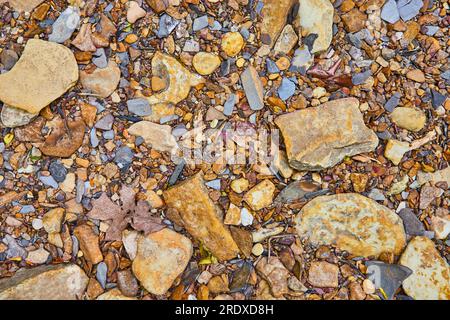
(44, 72)
(159, 137)
(353, 223)
(395, 150)
(102, 82)
(412, 119)
(261, 195)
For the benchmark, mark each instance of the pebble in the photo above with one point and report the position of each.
(58, 171)
(135, 12)
(101, 274)
(258, 249)
(65, 25)
(393, 102)
(102, 82)
(390, 13)
(200, 23)
(100, 59)
(232, 43)
(206, 63)
(322, 274)
(49, 181)
(261, 195)
(140, 107)
(166, 25)
(38, 256)
(408, 9)
(286, 89)
(416, 75)
(253, 88)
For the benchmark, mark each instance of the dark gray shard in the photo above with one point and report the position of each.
(105, 123)
(295, 192)
(176, 173)
(286, 89)
(387, 277)
(393, 102)
(225, 67)
(309, 40)
(412, 224)
(437, 99)
(124, 157)
(166, 25)
(99, 58)
(101, 274)
(57, 171)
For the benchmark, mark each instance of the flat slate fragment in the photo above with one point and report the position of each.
(319, 138)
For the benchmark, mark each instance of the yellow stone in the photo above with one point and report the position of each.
(206, 63)
(232, 43)
(261, 195)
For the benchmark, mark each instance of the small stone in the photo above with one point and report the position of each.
(246, 217)
(114, 294)
(430, 279)
(274, 272)
(368, 286)
(412, 119)
(390, 13)
(322, 221)
(437, 99)
(440, 223)
(83, 40)
(157, 5)
(239, 185)
(275, 14)
(100, 59)
(316, 18)
(101, 82)
(65, 25)
(217, 285)
(8, 58)
(232, 43)
(54, 282)
(127, 283)
(105, 123)
(53, 219)
(354, 21)
(393, 102)
(261, 195)
(253, 88)
(387, 277)
(408, 9)
(258, 249)
(139, 107)
(356, 291)
(135, 12)
(322, 274)
(166, 25)
(286, 89)
(159, 137)
(206, 63)
(287, 40)
(14, 117)
(38, 256)
(161, 257)
(23, 5)
(416, 75)
(395, 150)
(89, 243)
(428, 194)
(58, 171)
(200, 23)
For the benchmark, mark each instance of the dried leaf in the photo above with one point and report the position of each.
(104, 209)
(143, 221)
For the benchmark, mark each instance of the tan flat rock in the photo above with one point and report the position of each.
(430, 279)
(44, 72)
(320, 137)
(353, 223)
(23, 5)
(159, 137)
(102, 82)
(200, 216)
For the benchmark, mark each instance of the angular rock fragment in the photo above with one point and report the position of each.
(274, 15)
(319, 138)
(63, 143)
(89, 243)
(55, 282)
(179, 80)
(353, 223)
(253, 88)
(390, 12)
(23, 5)
(438, 176)
(261, 195)
(159, 137)
(387, 277)
(430, 279)
(101, 82)
(323, 274)
(287, 41)
(200, 216)
(161, 257)
(275, 273)
(54, 71)
(13, 117)
(316, 18)
(395, 150)
(65, 25)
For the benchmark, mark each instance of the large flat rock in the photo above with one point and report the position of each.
(200, 216)
(430, 279)
(353, 223)
(161, 257)
(44, 72)
(23, 5)
(319, 138)
(56, 282)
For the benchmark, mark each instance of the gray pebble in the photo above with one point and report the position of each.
(65, 25)
(49, 181)
(58, 171)
(140, 107)
(200, 23)
(166, 25)
(286, 89)
(101, 274)
(105, 123)
(393, 102)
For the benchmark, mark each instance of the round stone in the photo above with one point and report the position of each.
(37, 224)
(206, 63)
(258, 249)
(232, 43)
(368, 286)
